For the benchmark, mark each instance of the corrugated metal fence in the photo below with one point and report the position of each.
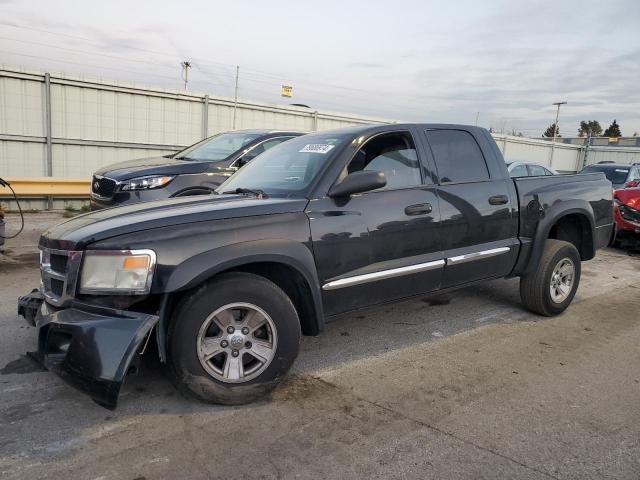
(561, 156)
(64, 126)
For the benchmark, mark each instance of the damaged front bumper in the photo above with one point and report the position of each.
(91, 347)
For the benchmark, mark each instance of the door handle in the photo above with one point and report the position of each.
(419, 209)
(498, 200)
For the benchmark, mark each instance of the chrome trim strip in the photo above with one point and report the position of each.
(383, 274)
(68, 279)
(469, 257)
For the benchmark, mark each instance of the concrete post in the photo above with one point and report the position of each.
(47, 131)
(205, 116)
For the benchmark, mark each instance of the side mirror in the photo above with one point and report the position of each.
(632, 184)
(358, 182)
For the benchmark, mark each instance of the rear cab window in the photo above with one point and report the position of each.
(457, 156)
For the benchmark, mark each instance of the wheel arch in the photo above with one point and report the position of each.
(571, 221)
(290, 265)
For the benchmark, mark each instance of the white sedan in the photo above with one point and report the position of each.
(529, 169)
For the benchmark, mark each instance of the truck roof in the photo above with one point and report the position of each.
(356, 129)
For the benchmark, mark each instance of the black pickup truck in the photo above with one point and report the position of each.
(315, 227)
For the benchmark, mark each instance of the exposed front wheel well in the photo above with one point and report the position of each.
(575, 229)
(290, 280)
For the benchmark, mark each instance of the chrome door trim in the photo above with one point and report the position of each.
(469, 257)
(382, 274)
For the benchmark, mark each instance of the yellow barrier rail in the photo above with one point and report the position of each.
(45, 186)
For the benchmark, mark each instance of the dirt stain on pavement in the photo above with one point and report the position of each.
(23, 364)
(19, 412)
(435, 301)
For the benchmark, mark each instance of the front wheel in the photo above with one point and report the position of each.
(233, 340)
(551, 287)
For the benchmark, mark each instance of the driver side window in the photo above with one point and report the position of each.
(394, 154)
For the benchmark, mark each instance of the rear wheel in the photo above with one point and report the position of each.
(234, 339)
(551, 287)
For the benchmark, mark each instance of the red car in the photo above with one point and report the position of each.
(626, 211)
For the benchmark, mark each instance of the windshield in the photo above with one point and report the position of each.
(615, 175)
(218, 147)
(287, 169)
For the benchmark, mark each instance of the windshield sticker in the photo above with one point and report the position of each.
(317, 148)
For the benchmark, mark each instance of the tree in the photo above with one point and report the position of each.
(590, 128)
(549, 131)
(613, 130)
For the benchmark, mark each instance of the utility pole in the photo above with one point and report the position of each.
(477, 115)
(555, 130)
(235, 102)
(186, 65)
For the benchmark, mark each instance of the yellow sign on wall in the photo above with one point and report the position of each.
(286, 91)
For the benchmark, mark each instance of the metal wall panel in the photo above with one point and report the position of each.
(22, 159)
(93, 114)
(79, 161)
(617, 154)
(565, 157)
(21, 107)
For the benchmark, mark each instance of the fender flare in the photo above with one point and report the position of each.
(295, 255)
(550, 218)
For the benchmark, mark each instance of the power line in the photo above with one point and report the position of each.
(246, 72)
(87, 65)
(74, 50)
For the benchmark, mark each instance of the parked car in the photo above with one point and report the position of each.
(196, 170)
(528, 169)
(619, 174)
(626, 213)
(313, 228)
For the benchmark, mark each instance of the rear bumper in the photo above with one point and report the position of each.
(90, 347)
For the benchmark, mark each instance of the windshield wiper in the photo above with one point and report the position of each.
(256, 192)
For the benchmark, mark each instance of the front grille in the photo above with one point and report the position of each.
(58, 263)
(102, 186)
(57, 287)
(59, 270)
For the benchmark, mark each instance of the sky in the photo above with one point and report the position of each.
(500, 63)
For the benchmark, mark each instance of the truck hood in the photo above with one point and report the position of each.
(151, 166)
(83, 230)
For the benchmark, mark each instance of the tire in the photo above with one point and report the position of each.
(536, 288)
(614, 241)
(234, 376)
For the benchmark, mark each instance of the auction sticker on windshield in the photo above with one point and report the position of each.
(317, 148)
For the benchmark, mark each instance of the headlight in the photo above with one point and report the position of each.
(145, 183)
(124, 272)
